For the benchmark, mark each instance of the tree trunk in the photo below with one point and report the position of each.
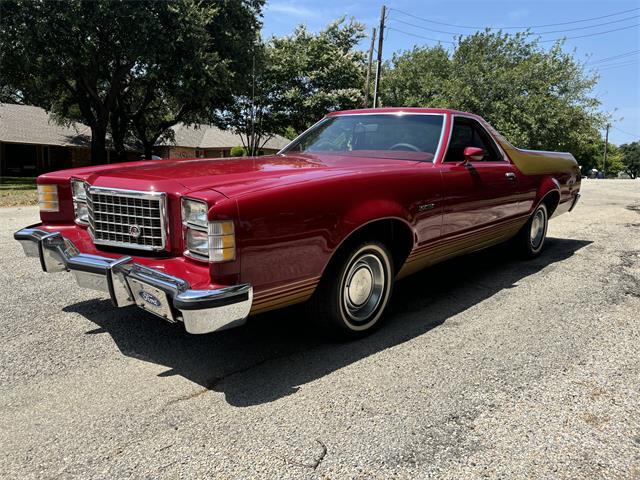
(118, 133)
(98, 145)
(148, 150)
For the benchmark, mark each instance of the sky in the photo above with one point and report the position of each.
(618, 88)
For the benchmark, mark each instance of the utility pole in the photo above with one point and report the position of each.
(379, 65)
(367, 85)
(606, 148)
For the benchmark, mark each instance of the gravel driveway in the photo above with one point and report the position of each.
(487, 367)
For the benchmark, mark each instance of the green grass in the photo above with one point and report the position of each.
(17, 191)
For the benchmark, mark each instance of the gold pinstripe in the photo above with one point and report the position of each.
(291, 298)
(431, 254)
(284, 295)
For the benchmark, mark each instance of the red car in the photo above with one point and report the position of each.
(360, 199)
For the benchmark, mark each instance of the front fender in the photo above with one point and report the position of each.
(366, 213)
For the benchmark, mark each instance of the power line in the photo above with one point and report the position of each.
(635, 135)
(541, 41)
(614, 57)
(425, 28)
(514, 27)
(592, 34)
(613, 67)
(624, 62)
(419, 36)
(528, 33)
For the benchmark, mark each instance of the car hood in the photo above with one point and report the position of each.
(234, 176)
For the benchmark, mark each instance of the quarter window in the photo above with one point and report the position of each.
(468, 133)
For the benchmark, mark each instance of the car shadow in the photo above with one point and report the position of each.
(230, 361)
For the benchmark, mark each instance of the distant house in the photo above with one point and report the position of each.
(31, 143)
(207, 141)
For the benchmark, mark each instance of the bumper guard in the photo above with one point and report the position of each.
(128, 283)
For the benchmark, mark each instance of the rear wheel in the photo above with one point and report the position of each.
(355, 290)
(531, 237)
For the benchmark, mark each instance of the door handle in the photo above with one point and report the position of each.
(510, 176)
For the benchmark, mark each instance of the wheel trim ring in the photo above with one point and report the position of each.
(360, 315)
(538, 229)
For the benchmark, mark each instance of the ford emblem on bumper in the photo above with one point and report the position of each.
(149, 298)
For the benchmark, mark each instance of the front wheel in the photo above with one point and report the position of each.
(355, 290)
(531, 237)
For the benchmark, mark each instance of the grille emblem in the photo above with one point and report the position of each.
(134, 231)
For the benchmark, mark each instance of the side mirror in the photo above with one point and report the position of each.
(473, 154)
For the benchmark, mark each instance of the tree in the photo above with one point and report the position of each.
(539, 99)
(147, 64)
(214, 60)
(253, 115)
(295, 81)
(317, 73)
(416, 78)
(614, 161)
(631, 159)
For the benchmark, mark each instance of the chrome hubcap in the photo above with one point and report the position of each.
(537, 229)
(364, 287)
(360, 286)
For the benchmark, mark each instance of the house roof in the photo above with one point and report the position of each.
(208, 136)
(27, 124)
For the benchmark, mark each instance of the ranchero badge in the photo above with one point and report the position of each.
(149, 298)
(134, 231)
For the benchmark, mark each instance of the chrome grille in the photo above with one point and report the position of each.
(125, 218)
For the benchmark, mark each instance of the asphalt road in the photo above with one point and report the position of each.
(488, 367)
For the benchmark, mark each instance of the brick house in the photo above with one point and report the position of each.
(31, 143)
(207, 141)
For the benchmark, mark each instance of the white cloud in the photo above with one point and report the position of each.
(292, 9)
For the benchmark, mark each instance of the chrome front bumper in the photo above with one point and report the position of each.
(128, 283)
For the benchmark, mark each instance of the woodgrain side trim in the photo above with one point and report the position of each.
(452, 247)
(283, 296)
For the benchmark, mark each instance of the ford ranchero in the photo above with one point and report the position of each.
(360, 199)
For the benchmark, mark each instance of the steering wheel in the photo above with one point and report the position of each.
(405, 146)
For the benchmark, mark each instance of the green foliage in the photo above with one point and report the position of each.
(631, 159)
(238, 151)
(417, 78)
(539, 99)
(296, 81)
(317, 73)
(614, 161)
(121, 63)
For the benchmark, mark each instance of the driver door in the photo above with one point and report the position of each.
(476, 193)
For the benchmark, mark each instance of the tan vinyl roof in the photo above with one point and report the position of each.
(27, 124)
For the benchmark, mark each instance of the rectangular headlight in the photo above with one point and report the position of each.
(48, 198)
(78, 189)
(194, 213)
(79, 193)
(197, 242)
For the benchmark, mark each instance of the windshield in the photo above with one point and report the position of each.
(406, 137)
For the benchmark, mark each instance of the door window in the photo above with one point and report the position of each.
(468, 133)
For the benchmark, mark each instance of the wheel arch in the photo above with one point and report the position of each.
(549, 194)
(394, 231)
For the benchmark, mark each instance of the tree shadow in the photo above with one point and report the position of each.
(229, 361)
